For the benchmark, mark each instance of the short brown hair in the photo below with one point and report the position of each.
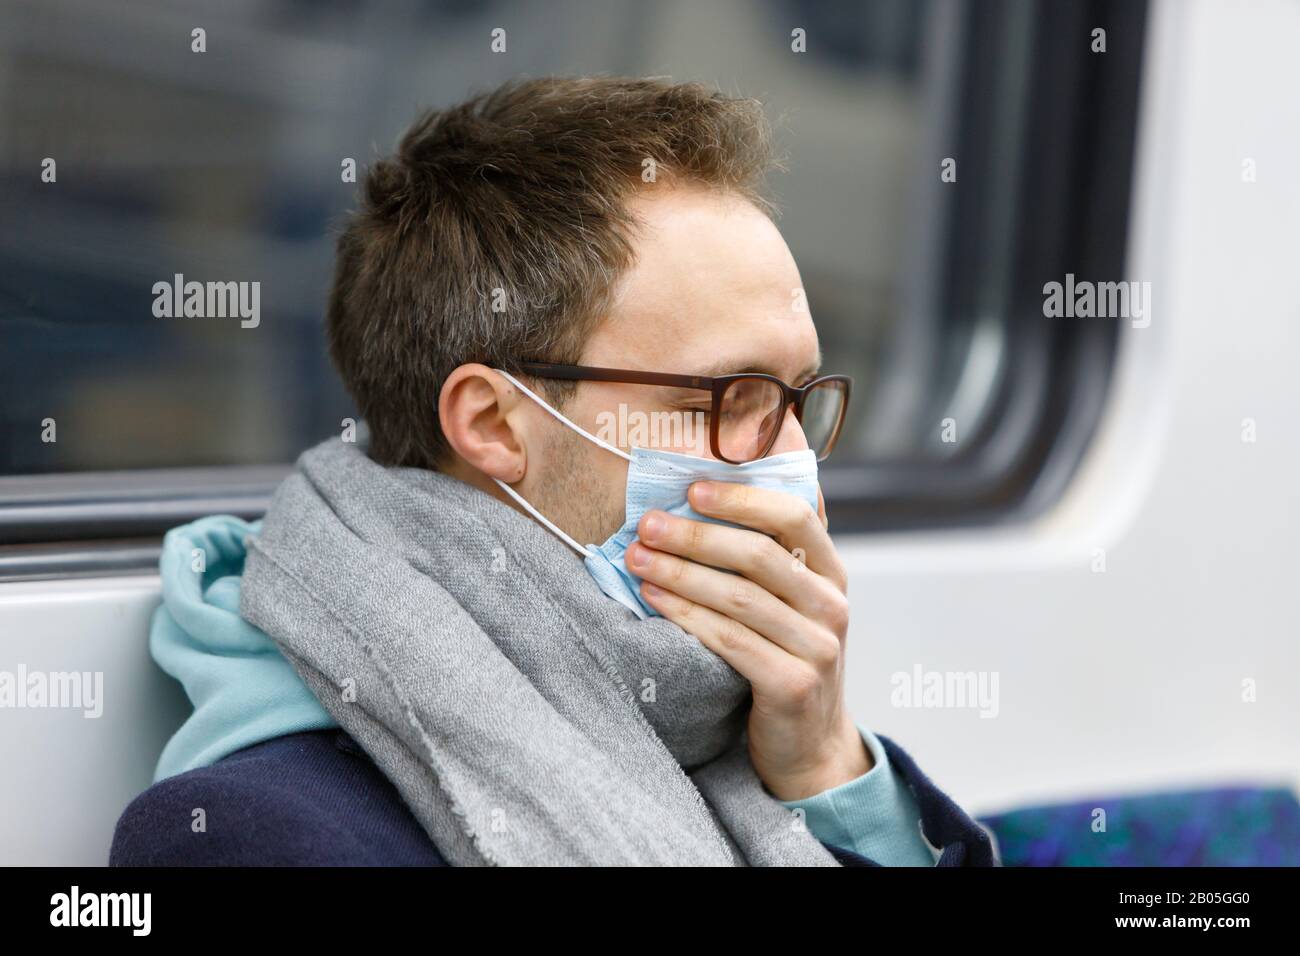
(515, 198)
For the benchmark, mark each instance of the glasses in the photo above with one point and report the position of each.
(747, 410)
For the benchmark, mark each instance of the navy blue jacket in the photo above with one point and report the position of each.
(317, 799)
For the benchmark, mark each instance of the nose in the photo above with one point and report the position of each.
(791, 436)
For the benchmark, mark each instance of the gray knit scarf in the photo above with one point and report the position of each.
(525, 718)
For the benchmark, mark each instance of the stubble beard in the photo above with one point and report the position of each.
(575, 495)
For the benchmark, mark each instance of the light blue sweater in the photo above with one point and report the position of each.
(874, 815)
(244, 692)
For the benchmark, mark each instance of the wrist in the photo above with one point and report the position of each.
(846, 759)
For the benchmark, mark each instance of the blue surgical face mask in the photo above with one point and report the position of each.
(658, 480)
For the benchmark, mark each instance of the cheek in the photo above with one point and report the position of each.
(612, 493)
(584, 488)
(686, 431)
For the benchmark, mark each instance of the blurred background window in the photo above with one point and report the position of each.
(225, 166)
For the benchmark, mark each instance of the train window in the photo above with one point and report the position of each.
(946, 159)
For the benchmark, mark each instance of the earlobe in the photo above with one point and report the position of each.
(474, 412)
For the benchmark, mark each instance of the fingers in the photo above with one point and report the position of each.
(737, 598)
(795, 524)
(752, 554)
(765, 665)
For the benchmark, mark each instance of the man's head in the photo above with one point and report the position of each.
(606, 222)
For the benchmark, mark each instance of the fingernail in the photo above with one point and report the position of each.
(639, 556)
(652, 525)
(652, 590)
(704, 493)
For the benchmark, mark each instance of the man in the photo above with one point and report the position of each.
(539, 296)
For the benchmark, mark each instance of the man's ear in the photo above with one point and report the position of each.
(478, 410)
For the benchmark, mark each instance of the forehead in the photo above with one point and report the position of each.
(712, 283)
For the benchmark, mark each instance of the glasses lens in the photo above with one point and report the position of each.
(748, 417)
(823, 408)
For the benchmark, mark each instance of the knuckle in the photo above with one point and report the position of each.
(826, 652)
(676, 571)
(835, 613)
(732, 634)
(811, 520)
(740, 494)
(737, 498)
(744, 594)
(801, 684)
(837, 575)
(758, 555)
(695, 532)
(797, 522)
(840, 578)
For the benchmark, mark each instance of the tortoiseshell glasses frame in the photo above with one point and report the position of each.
(772, 395)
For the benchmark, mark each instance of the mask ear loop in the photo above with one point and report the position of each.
(581, 431)
(546, 407)
(543, 519)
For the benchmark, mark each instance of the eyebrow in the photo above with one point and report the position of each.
(730, 367)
